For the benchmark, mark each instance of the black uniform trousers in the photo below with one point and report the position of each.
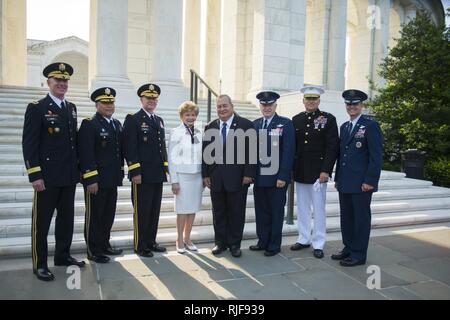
(44, 205)
(99, 219)
(355, 223)
(229, 216)
(269, 214)
(147, 205)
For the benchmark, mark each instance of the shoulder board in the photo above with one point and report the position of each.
(35, 102)
(87, 119)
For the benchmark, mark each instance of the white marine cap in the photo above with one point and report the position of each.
(312, 91)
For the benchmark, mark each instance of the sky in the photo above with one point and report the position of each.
(54, 19)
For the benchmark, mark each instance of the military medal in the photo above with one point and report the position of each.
(57, 130)
(145, 139)
(50, 130)
(358, 144)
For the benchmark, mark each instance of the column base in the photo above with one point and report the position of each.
(173, 93)
(126, 93)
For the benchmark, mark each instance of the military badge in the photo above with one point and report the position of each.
(151, 87)
(57, 130)
(50, 130)
(145, 139)
(358, 144)
(107, 91)
(62, 67)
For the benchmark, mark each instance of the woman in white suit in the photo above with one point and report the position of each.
(185, 159)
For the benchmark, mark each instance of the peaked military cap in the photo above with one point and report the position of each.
(312, 91)
(354, 96)
(267, 97)
(149, 90)
(104, 94)
(58, 70)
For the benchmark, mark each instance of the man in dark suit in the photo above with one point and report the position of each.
(317, 147)
(50, 152)
(357, 174)
(145, 152)
(101, 162)
(276, 142)
(228, 173)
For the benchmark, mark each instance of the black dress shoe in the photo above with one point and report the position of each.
(318, 253)
(218, 250)
(298, 246)
(99, 258)
(340, 255)
(147, 253)
(113, 252)
(236, 252)
(350, 262)
(44, 274)
(270, 253)
(157, 248)
(256, 248)
(70, 261)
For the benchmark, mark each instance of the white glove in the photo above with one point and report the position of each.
(317, 186)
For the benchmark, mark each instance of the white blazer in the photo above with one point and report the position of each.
(184, 157)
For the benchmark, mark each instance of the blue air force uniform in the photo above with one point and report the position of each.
(146, 155)
(50, 153)
(101, 162)
(359, 162)
(270, 200)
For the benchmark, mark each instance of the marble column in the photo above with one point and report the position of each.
(380, 33)
(166, 70)
(278, 46)
(109, 49)
(337, 33)
(191, 38)
(13, 42)
(211, 63)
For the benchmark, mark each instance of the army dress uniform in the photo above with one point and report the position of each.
(101, 162)
(359, 162)
(146, 155)
(49, 144)
(317, 144)
(269, 199)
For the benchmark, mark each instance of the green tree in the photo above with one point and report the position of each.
(413, 109)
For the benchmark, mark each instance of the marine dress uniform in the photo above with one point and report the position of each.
(359, 164)
(49, 146)
(146, 155)
(316, 152)
(269, 199)
(102, 163)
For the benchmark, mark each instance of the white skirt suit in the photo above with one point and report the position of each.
(185, 161)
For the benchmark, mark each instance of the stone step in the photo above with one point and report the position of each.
(25, 194)
(392, 182)
(21, 246)
(39, 89)
(22, 215)
(16, 121)
(124, 222)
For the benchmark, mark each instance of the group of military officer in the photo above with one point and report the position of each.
(313, 134)
(57, 156)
